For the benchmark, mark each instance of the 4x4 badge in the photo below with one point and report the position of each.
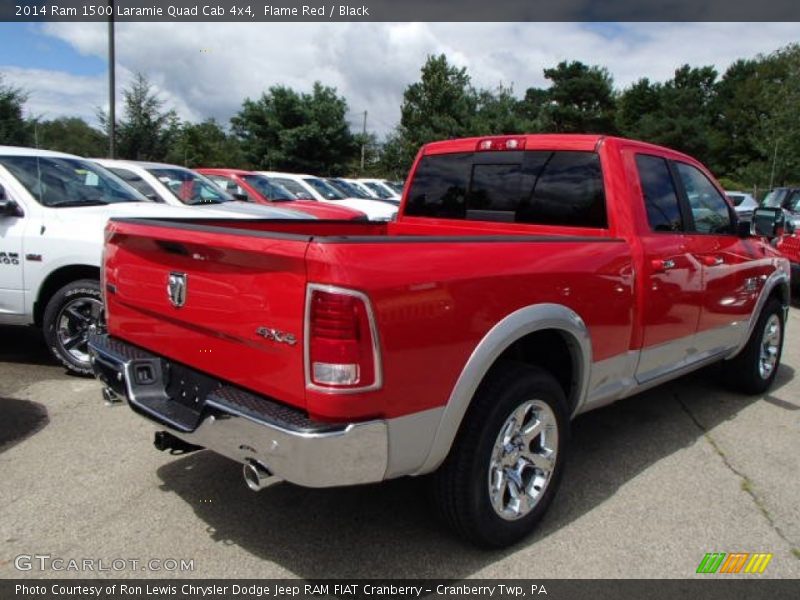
(176, 289)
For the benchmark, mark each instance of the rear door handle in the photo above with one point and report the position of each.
(660, 265)
(712, 261)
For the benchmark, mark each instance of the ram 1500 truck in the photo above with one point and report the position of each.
(526, 280)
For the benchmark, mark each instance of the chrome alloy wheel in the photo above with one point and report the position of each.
(523, 459)
(72, 326)
(770, 346)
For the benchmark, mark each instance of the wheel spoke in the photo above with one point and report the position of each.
(532, 431)
(70, 343)
(543, 462)
(76, 314)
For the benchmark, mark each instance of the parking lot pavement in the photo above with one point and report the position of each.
(653, 483)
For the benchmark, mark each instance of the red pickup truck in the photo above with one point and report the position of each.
(526, 280)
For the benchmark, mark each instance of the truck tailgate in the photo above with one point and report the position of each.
(238, 288)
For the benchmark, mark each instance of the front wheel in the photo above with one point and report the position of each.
(506, 463)
(67, 318)
(753, 370)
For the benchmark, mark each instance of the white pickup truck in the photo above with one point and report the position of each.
(53, 210)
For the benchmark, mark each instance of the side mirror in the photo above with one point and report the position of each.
(768, 222)
(8, 208)
(744, 229)
(790, 228)
(240, 197)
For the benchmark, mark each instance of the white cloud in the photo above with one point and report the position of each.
(207, 69)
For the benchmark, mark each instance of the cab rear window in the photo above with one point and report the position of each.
(539, 187)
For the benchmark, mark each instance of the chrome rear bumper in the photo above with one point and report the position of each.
(240, 425)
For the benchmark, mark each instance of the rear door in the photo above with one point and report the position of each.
(672, 276)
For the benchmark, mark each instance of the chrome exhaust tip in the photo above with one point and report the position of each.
(256, 475)
(110, 396)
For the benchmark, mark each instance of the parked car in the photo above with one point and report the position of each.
(365, 191)
(743, 203)
(381, 189)
(316, 188)
(180, 186)
(786, 198)
(347, 188)
(789, 246)
(53, 209)
(527, 279)
(255, 187)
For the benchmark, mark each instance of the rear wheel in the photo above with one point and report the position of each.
(753, 370)
(506, 463)
(67, 318)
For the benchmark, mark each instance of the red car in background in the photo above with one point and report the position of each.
(255, 187)
(789, 246)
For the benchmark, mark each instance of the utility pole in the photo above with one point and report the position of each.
(112, 112)
(363, 142)
(774, 160)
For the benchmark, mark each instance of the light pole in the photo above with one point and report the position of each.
(112, 113)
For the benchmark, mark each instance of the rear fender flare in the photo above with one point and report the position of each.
(513, 327)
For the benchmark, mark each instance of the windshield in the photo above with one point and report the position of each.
(774, 199)
(190, 187)
(271, 190)
(326, 189)
(347, 189)
(381, 191)
(295, 188)
(55, 181)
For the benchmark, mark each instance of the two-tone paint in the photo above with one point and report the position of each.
(621, 308)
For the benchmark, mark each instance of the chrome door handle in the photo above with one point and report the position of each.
(660, 265)
(712, 260)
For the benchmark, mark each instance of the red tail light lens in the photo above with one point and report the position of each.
(501, 143)
(341, 346)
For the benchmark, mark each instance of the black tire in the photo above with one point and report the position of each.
(461, 485)
(83, 296)
(744, 372)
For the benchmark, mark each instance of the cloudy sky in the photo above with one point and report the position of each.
(207, 69)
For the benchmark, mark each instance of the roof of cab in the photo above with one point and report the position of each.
(23, 151)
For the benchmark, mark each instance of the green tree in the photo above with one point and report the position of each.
(678, 114)
(205, 144)
(13, 128)
(294, 131)
(778, 137)
(70, 134)
(441, 105)
(146, 130)
(500, 112)
(580, 99)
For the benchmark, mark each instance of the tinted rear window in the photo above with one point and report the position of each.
(542, 187)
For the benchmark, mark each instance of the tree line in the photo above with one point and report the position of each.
(742, 123)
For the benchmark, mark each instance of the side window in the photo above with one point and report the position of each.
(660, 198)
(709, 209)
(793, 202)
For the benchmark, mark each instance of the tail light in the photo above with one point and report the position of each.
(501, 143)
(341, 341)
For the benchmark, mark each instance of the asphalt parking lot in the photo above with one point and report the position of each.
(653, 483)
